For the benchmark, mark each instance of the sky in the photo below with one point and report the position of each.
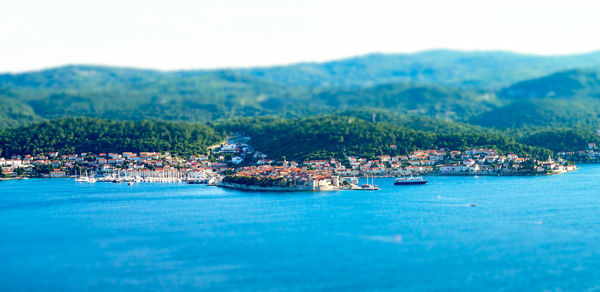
(177, 34)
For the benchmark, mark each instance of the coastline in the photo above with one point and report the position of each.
(435, 173)
(253, 188)
(13, 178)
(305, 188)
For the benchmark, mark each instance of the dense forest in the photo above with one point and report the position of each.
(491, 89)
(76, 135)
(327, 136)
(561, 139)
(423, 100)
(316, 137)
(485, 70)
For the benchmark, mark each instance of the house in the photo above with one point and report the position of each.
(453, 168)
(474, 168)
(58, 173)
(385, 158)
(469, 162)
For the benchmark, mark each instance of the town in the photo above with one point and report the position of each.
(235, 162)
(590, 155)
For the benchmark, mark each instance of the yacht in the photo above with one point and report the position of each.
(371, 186)
(412, 180)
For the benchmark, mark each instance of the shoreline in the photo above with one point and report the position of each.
(469, 174)
(305, 188)
(16, 178)
(253, 188)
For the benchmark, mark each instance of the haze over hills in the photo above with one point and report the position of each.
(580, 83)
(488, 70)
(491, 89)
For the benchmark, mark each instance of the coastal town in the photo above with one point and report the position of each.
(589, 155)
(236, 163)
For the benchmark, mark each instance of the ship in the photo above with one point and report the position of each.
(371, 186)
(409, 181)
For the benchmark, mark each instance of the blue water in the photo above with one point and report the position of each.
(526, 233)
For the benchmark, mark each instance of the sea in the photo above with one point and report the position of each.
(463, 233)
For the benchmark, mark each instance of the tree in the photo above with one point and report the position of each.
(20, 171)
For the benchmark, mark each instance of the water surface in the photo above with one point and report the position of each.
(526, 233)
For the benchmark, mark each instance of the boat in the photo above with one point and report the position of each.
(368, 187)
(371, 186)
(400, 181)
(85, 178)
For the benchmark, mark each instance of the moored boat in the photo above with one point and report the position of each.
(409, 181)
(370, 186)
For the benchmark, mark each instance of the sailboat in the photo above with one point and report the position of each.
(85, 178)
(370, 187)
(78, 177)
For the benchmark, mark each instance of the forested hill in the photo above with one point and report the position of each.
(458, 86)
(131, 95)
(563, 84)
(563, 99)
(581, 112)
(321, 137)
(76, 135)
(136, 95)
(487, 70)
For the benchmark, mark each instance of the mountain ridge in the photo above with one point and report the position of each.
(455, 85)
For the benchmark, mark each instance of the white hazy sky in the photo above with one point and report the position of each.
(177, 34)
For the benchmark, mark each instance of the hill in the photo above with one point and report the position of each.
(427, 100)
(561, 139)
(315, 137)
(76, 135)
(452, 85)
(135, 95)
(128, 94)
(575, 112)
(410, 121)
(322, 137)
(488, 70)
(564, 84)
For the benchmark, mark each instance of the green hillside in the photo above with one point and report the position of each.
(451, 85)
(131, 95)
(322, 137)
(486, 70)
(411, 121)
(427, 100)
(561, 139)
(564, 84)
(543, 112)
(76, 135)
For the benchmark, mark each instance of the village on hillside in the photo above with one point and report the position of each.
(236, 160)
(589, 155)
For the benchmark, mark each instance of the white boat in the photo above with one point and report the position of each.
(371, 186)
(410, 181)
(85, 178)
